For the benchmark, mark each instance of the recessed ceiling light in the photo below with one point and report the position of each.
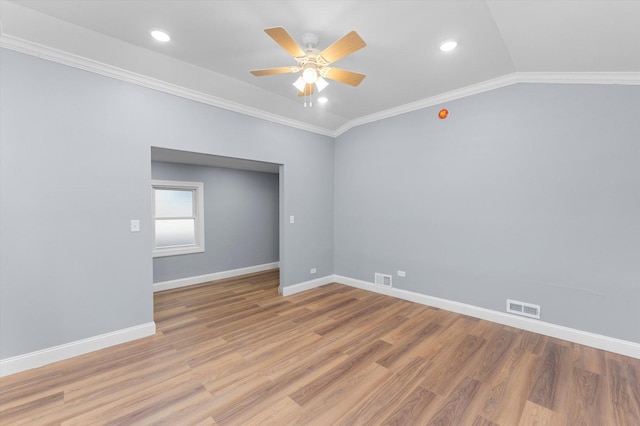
(160, 35)
(322, 100)
(448, 45)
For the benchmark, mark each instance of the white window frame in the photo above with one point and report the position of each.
(198, 196)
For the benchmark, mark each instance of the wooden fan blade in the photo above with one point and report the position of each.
(308, 90)
(282, 37)
(343, 47)
(344, 76)
(271, 71)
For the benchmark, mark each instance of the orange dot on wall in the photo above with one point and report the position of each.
(444, 113)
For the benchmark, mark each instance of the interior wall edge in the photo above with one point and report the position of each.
(307, 285)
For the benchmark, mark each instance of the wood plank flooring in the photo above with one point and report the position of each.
(234, 352)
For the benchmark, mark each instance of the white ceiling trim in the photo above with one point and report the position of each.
(580, 77)
(496, 83)
(65, 58)
(55, 55)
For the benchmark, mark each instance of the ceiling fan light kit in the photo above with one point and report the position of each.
(313, 64)
(299, 84)
(310, 75)
(321, 83)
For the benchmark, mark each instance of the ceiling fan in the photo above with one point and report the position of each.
(313, 64)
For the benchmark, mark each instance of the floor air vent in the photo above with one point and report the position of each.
(526, 309)
(383, 279)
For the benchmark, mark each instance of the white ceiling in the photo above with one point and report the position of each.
(216, 42)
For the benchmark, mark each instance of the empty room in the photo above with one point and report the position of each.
(243, 212)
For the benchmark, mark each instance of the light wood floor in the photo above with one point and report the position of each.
(236, 353)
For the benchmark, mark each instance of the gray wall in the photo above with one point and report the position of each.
(529, 192)
(241, 220)
(75, 169)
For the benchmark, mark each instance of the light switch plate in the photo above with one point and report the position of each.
(135, 225)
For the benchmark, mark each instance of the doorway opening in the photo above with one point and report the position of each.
(243, 205)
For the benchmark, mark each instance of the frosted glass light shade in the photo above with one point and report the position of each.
(321, 84)
(299, 84)
(310, 75)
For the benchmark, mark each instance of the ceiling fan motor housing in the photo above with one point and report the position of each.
(310, 40)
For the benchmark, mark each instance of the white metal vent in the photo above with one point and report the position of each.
(383, 279)
(521, 308)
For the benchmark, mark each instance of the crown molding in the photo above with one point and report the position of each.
(65, 58)
(627, 78)
(55, 55)
(463, 92)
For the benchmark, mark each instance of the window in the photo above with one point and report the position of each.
(178, 218)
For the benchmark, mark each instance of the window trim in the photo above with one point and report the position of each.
(198, 189)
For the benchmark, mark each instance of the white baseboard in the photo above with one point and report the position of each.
(57, 353)
(42, 357)
(308, 285)
(599, 341)
(199, 279)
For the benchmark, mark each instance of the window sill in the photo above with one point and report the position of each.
(177, 251)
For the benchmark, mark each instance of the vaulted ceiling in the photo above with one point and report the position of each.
(216, 42)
